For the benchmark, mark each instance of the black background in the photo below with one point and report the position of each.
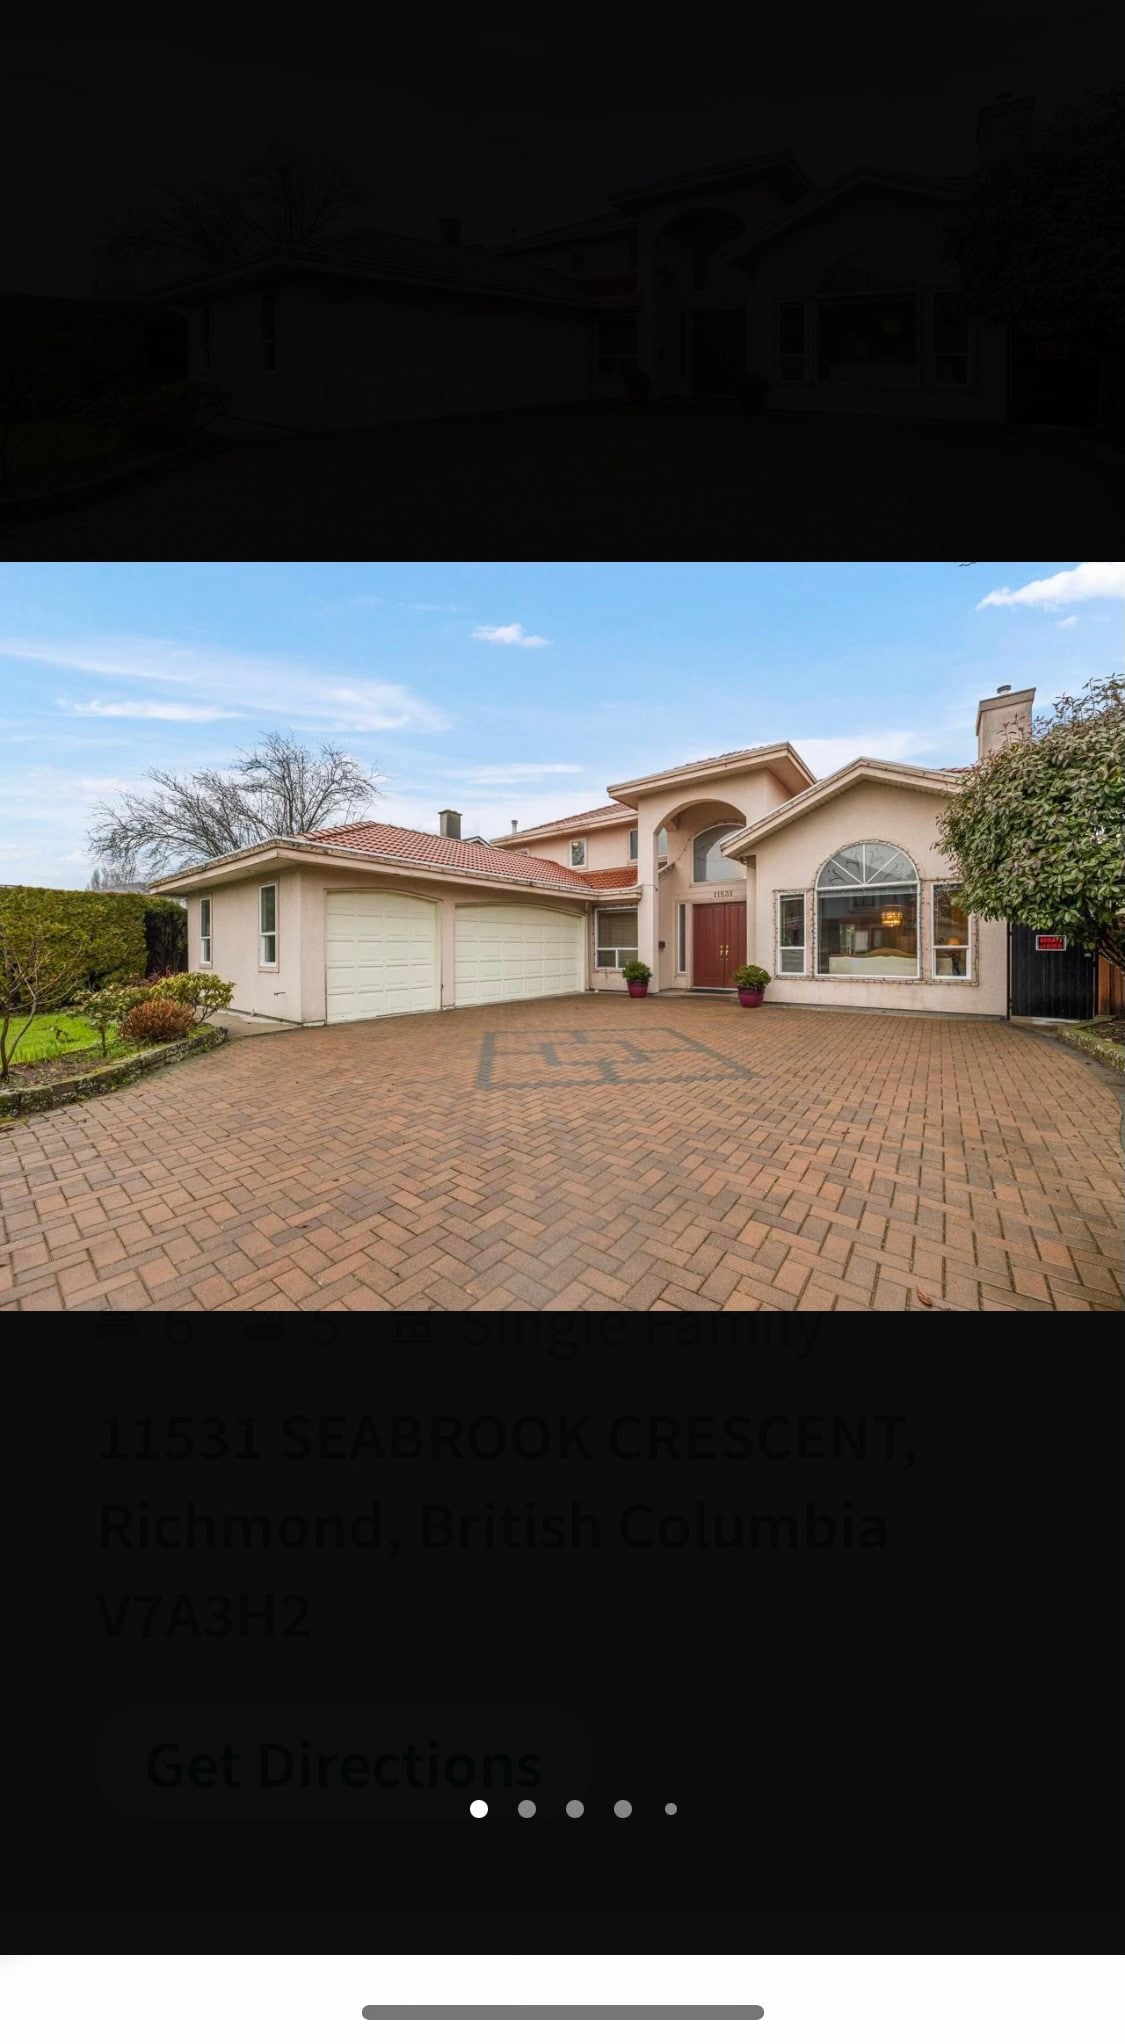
(909, 1748)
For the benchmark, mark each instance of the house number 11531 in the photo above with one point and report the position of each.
(723, 894)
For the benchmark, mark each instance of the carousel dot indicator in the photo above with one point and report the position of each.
(526, 1809)
(670, 1809)
(623, 1809)
(575, 1809)
(478, 1809)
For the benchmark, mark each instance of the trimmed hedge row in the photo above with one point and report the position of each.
(125, 936)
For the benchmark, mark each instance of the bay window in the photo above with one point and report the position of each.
(951, 933)
(867, 913)
(791, 933)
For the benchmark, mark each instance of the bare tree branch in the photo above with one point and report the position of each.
(280, 788)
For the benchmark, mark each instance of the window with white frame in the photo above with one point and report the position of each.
(681, 936)
(268, 329)
(267, 924)
(634, 840)
(578, 852)
(615, 938)
(867, 913)
(205, 930)
(791, 339)
(708, 862)
(951, 337)
(791, 933)
(952, 948)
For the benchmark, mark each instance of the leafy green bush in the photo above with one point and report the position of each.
(172, 415)
(156, 1022)
(41, 965)
(636, 970)
(165, 935)
(108, 1007)
(108, 929)
(201, 991)
(751, 976)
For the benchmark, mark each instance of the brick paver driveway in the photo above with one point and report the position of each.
(582, 1153)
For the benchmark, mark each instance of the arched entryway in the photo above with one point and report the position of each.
(701, 304)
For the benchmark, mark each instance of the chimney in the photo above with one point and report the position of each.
(1004, 716)
(449, 230)
(1003, 129)
(449, 822)
(515, 823)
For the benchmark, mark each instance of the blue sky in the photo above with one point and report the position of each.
(508, 689)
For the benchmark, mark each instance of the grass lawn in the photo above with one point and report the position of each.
(54, 1035)
(61, 445)
(612, 481)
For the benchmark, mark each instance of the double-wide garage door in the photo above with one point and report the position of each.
(515, 954)
(384, 953)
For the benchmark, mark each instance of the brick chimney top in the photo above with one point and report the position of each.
(449, 822)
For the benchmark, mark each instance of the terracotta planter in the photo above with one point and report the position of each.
(638, 988)
(750, 997)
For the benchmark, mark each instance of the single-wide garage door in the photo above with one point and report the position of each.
(382, 953)
(515, 954)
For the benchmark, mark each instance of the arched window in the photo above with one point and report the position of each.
(867, 913)
(867, 320)
(708, 862)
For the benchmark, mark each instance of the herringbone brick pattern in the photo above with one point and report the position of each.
(580, 1154)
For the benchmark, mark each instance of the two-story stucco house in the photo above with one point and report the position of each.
(834, 885)
(842, 296)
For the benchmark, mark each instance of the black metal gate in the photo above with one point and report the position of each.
(1050, 976)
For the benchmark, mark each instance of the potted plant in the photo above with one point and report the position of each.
(636, 977)
(752, 390)
(751, 981)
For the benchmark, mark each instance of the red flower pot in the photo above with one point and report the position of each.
(638, 988)
(750, 997)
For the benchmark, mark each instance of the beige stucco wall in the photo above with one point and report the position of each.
(295, 991)
(258, 989)
(358, 353)
(684, 812)
(791, 267)
(606, 847)
(789, 862)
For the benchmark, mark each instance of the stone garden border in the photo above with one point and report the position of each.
(107, 1078)
(1103, 1047)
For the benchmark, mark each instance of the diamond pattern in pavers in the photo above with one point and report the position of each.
(579, 1155)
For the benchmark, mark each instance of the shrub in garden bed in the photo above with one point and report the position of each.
(157, 1022)
(202, 992)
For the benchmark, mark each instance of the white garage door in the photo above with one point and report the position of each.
(382, 952)
(515, 954)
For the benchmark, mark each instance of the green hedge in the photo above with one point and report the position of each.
(126, 936)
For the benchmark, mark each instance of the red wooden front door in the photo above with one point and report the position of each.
(718, 942)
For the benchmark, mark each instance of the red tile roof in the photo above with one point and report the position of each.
(401, 258)
(427, 848)
(612, 876)
(610, 812)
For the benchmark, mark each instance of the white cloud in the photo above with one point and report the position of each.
(1071, 585)
(510, 776)
(166, 713)
(1065, 621)
(826, 755)
(239, 684)
(508, 635)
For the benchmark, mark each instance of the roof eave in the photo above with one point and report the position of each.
(706, 770)
(893, 772)
(298, 851)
